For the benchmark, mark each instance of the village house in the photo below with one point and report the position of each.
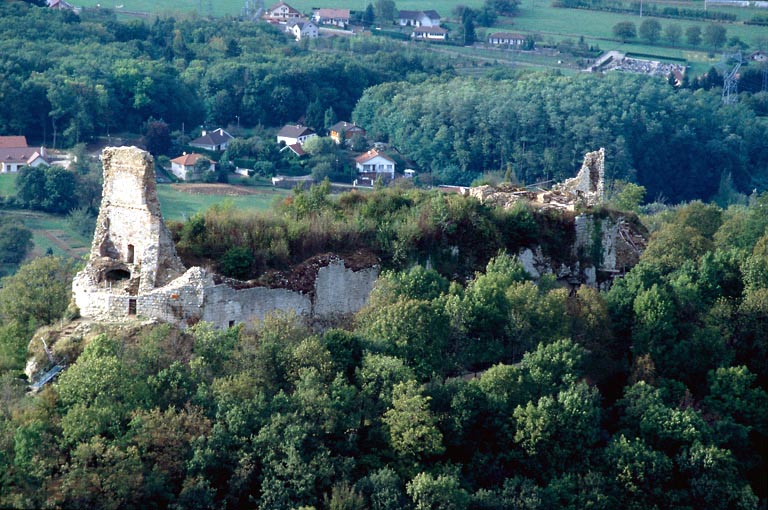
(183, 167)
(302, 29)
(338, 17)
(13, 158)
(296, 149)
(345, 130)
(507, 38)
(215, 141)
(14, 154)
(419, 19)
(430, 33)
(282, 13)
(295, 134)
(373, 164)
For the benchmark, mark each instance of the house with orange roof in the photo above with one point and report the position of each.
(13, 141)
(374, 164)
(183, 167)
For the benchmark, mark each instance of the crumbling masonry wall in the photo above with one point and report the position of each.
(134, 270)
(588, 185)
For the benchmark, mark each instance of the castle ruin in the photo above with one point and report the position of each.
(134, 270)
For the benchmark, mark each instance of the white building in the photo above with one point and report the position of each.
(374, 164)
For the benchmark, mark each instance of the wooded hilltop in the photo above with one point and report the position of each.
(464, 384)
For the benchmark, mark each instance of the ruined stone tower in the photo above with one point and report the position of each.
(132, 250)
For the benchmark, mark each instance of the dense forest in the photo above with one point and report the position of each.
(648, 395)
(69, 79)
(676, 143)
(77, 77)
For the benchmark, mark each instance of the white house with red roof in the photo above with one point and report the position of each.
(14, 154)
(13, 158)
(281, 12)
(183, 167)
(374, 164)
(296, 149)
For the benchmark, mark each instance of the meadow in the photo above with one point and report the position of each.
(178, 203)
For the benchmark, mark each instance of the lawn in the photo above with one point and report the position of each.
(179, 205)
(172, 7)
(7, 184)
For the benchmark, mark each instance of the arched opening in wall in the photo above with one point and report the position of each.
(129, 258)
(131, 307)
(116, 275)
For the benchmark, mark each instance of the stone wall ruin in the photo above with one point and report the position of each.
(610, 244)
(134, 270)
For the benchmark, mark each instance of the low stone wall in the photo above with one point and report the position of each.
(195, 297)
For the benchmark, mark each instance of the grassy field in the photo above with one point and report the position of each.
(171, 7)
(181, 202)
(235, 7)
(50, 232)
(599, 25)
(7, 184)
